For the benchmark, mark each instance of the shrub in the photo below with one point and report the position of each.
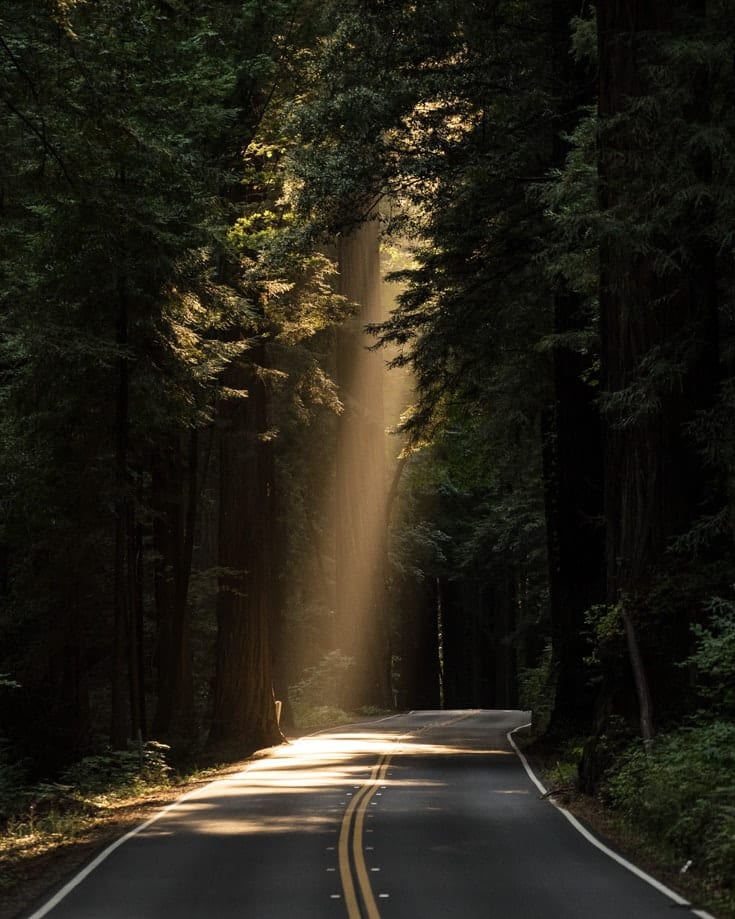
(13, 786)
(714, 657)
(325, 684)
(536, 690)
(118, 771)
(682, 794)
(314, 717)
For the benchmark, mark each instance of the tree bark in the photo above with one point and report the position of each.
(122, 726)
(572, 450)
(244, 716)
(417, 643)
(654, 480)
(176, 497)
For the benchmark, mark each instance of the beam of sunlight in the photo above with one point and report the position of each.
(361, 489)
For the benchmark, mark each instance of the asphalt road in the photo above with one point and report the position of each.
(419, 816)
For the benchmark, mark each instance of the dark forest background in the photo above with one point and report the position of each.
(372, 355)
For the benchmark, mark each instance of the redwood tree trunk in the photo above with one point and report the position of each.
(124, 721)
(244, 717)
(654, 481)
(175, 496)
(573, 467)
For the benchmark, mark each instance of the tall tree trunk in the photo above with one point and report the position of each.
(361, 527)
(417, 642)
(654, 480)
(244, 716)
(503, 603)
(121, 726)
(283, 668)
(176, 483)
(573, 467)
(135, 633)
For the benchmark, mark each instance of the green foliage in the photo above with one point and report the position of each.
(421, 104)
(605, 623)
(120, 771)
(536, 690)
(714, 657)
(326, 683)
(682, 796)
(563, 775)
(315, 717)
(61, 809)
(111, 219)
(142, 250)
(13, 784)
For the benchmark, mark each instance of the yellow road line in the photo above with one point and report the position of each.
(358, 803)
(363, 878)
(352, 829)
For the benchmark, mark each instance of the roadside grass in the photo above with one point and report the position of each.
(669, 812)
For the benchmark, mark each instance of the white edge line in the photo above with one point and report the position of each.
(96, 862)
(634, 869)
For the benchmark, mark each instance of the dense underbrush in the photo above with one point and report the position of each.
(671, 809)
(679, 801)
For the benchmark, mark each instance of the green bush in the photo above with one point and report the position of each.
(682, 794)
(13, 786)
(314, 717)
(714, 658)
(325, 684)
(118, 771)
(536, 690)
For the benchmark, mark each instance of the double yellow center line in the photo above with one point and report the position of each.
(350, 837)
(352, 868)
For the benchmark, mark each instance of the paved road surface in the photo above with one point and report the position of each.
(420, 816)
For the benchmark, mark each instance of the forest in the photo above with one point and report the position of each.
(365, 356)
